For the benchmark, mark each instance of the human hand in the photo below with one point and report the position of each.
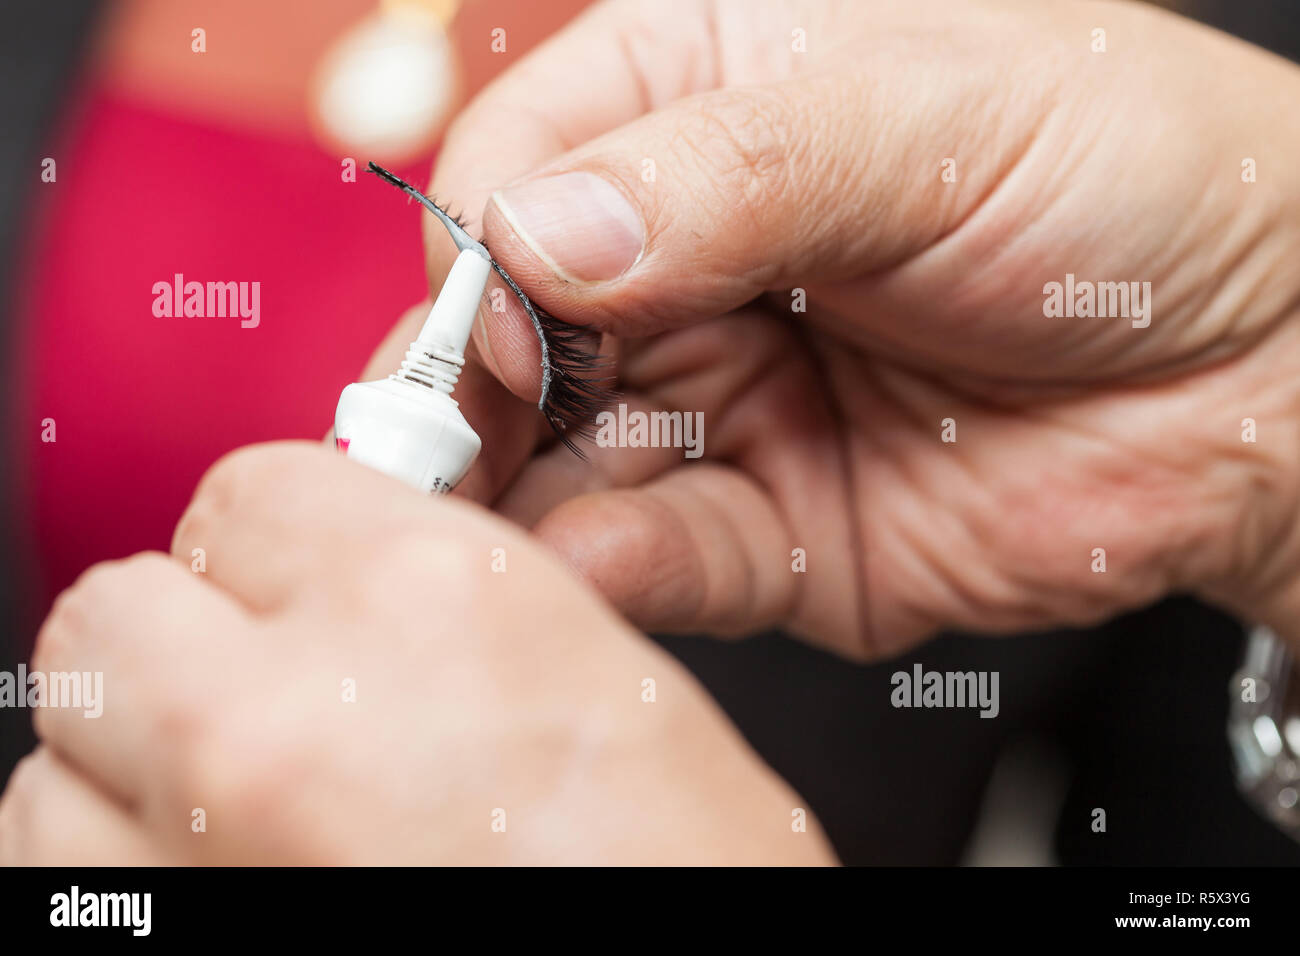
(349, 680)
(825, 430)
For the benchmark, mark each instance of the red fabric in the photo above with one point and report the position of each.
(143, 405)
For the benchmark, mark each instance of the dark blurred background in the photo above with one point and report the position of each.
(1128, 717)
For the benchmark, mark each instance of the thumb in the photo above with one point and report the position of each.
(693, 210)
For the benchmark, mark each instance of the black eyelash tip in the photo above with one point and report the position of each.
(392, 179)
(454, 224)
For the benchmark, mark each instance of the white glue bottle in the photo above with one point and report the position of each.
(408, 425)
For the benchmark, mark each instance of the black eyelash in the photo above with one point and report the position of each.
(432, 204)
(573, 386)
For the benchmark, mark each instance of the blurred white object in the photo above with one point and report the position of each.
(1021, 806)
(1264, 729)
(386, 87)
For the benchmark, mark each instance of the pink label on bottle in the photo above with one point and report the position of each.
(342, 444)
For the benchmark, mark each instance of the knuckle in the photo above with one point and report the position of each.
(201, 770)
(230, 482)
(258, 478)
(67, 620)
(220, 491)
(238, 774)
(101, 590)
(100, 581)
(179, 729)
(74, 612)
(244, 475)
(743, 140)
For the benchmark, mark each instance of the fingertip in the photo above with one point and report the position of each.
(502, 422)
(631, 549)
(508, 343)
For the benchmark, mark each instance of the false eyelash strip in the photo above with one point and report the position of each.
(573, 388)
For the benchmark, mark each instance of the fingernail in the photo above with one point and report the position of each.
(580, 225)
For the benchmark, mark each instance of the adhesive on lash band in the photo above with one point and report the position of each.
(574, 378)
(408, 425)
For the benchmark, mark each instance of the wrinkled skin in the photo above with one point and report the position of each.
(925, 302)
